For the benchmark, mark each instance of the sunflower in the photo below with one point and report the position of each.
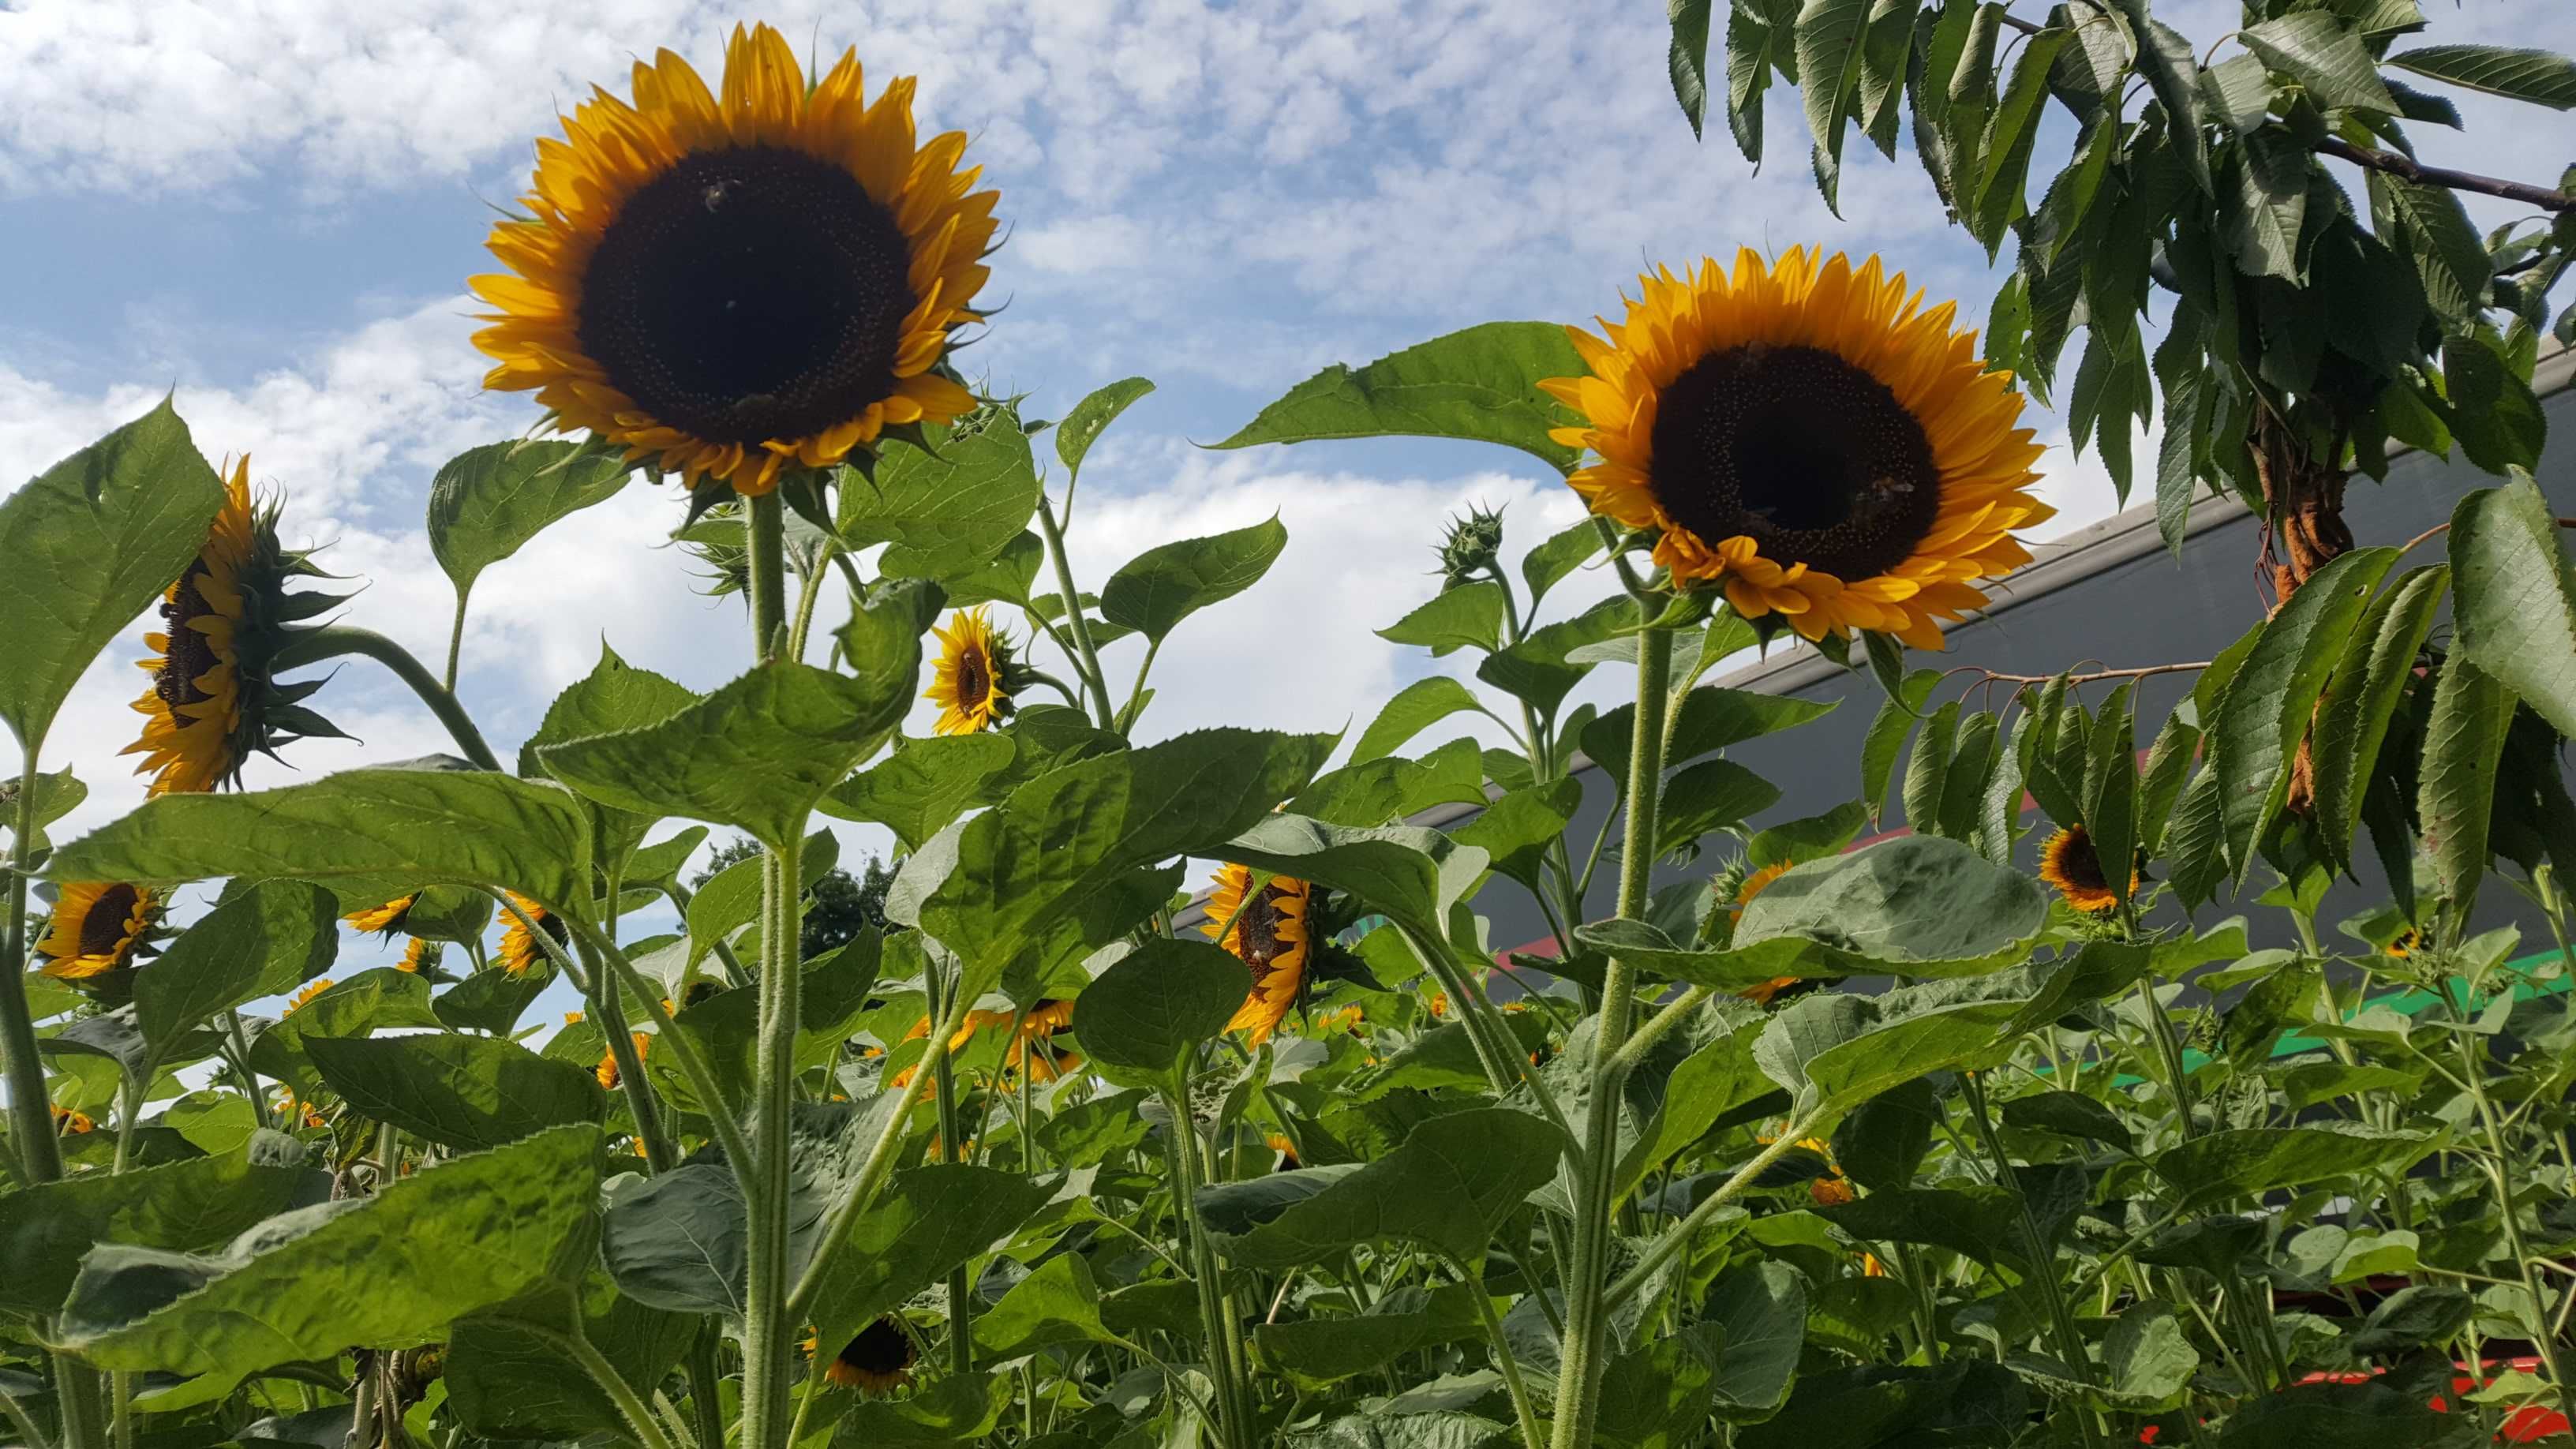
(1278, 1142)
(1269, 935)
(521, 952)
(877, 1362)
(920, 1032)
(383, 920)
(212, 703)
(1754, 885)
(1807, 438)
(291, 1109)
(313, 988)
(68, 1123)
(420, 955)
(95, 928)
(973, 681)
(607, 1070)
(727, 283)
(1439, 1005)
(2406, 942)
(2067, 862)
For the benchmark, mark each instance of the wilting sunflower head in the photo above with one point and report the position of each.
(1469, 546)
(1267, 933)
(96, 928)
(1809, 439)
(975, 674)
(730, 283)
(521, 951)
(2068, 862)
(215, 700)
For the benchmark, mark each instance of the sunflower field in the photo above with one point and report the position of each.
(1174, 1093)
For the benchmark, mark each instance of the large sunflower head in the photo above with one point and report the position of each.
(96, 928)
(976, 674)
(877, 1362)
(1268, 934)
(214, 700)
(2069, 862)
(521, 951)
(728, 283)
(1809, 439)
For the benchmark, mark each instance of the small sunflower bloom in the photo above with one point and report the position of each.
(96, 927)
(1754, 885)
(2069, 862)
(521, 951)
(214, 701)
(421, 955)
(1807, 438)
(731, 282)
(313, 988)
(607, 1073)
(68, 1123)
(974, 676)
(383, 920)
(1269, 935)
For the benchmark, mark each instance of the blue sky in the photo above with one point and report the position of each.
(272, 205)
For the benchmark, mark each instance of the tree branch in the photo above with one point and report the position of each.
(2406, 168)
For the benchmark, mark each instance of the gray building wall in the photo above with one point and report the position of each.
(2108, 596)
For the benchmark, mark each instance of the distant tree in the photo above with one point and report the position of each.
(837, 906)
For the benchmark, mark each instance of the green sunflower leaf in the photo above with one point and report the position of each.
(2253, 1160)
(376, 1000)
(259, 942)
(1452, 1182)
(1480, 384)
(1410, 873)
(466, 1092)
(944, 512)
(182, 1207)
(756, 754)
(1092, 416)
(1157, 1003)
(1469, 616)
(91, 543)
(396, 828)
(488, 502)
(57, 795)
(1415, 708)
(1059, 1303)
(990, 887)
(389, 1271)
(916, 791)
(508, 1378)
(1918, 905)
(1154, 591)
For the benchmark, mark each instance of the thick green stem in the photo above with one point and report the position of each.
(31, 1117)
(1089, 657)
(952, 1148)
(2499, 1172)
(1233, 1425)
(344, 639)
(2041, 1257)
(630, 1405)
(455, 644)
(1634, 1281)
(706, 1403)
(1578, 1385)
(805, 600)
(1522, 1409)
(768, 1334)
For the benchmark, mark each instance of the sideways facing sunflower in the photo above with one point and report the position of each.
(1806, 438)
(225, 622)
(2069, 862)
(521, 951)
(1272, 934)
(745, 283)
(96, 932)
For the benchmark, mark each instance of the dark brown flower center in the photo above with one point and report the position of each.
(1260, 927)
(880, 1348)
(974, 677)
(749, 294)
(190, 654)
(102, 927)
(2077, 862)
(1808, 455)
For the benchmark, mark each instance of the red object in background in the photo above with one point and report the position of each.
(2530, 1424)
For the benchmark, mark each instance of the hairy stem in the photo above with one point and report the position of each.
(344, 639)
(1088, 654)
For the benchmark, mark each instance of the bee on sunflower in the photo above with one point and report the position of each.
(876, 1362)
(2069, 862)
(743, 283)
(214, 700)
(97, 928)
(1806, 438)
(976, 674)
(521, 951)
(1269, 933)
